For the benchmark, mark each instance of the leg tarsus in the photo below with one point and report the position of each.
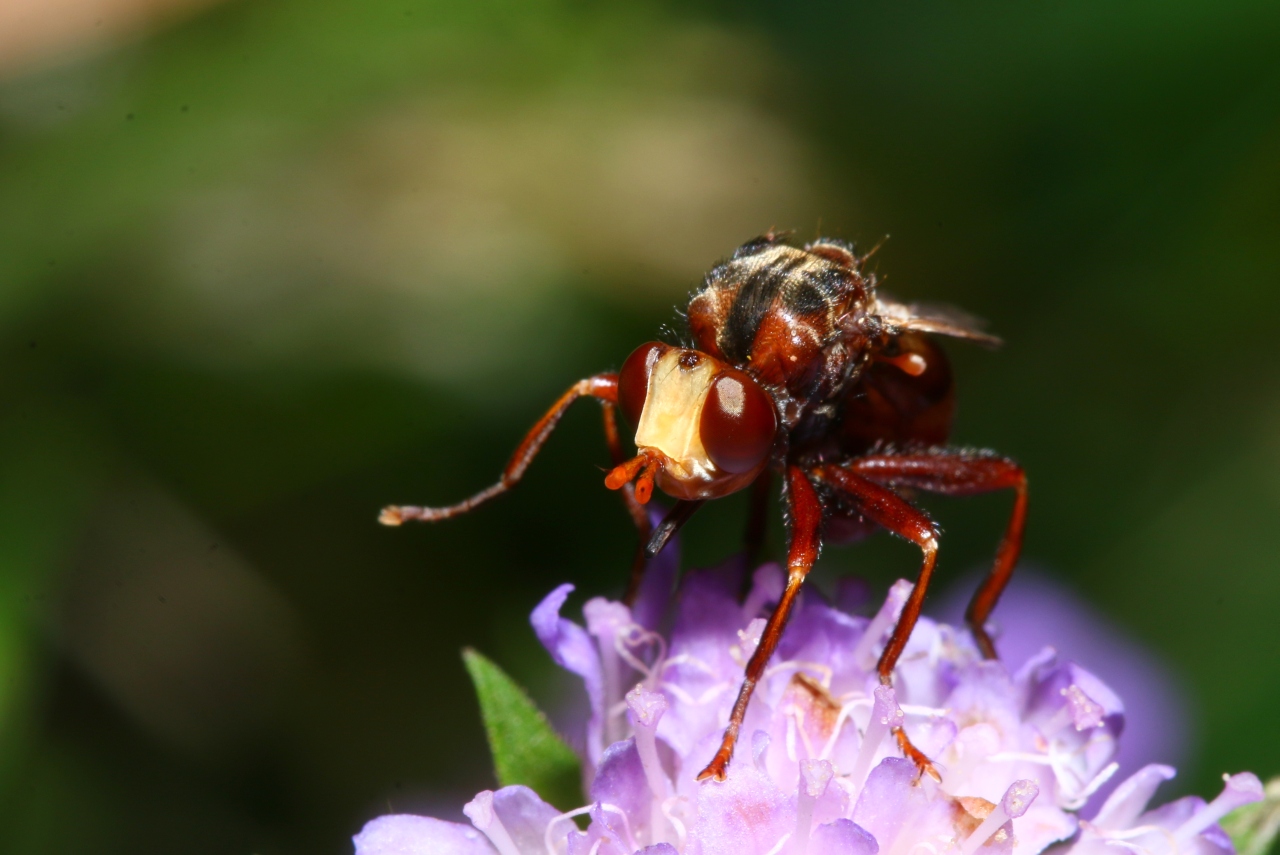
(602, 386)
(924, 765)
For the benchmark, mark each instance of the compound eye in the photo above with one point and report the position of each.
(738, 423)
(633, 379)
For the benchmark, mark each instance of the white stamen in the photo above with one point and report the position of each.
(973, 746)
(793, 716)
(841, 718)
(705, 698)
(605, 620)
(646, 709)
(1077, 801)
(1016, 800)
(777, 847)
(547, 839)
(692, 662)
(480, 811)
(864, 652)
(815, 775)
(885, 715)
(682, 834)
(748, 641)
(637, 638)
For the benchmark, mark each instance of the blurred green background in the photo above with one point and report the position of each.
(267, 266)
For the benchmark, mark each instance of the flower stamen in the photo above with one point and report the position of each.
(482, 815)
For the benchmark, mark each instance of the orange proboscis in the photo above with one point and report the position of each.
(644, 484)
(642, 468)
(625, 473)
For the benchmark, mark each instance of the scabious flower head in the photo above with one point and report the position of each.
(817, 771)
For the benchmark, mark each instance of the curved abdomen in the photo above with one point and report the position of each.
(888, 405)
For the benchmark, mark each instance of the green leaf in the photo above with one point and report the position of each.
(526, 750)
(1253, 828)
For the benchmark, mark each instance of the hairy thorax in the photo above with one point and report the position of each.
(792, 317)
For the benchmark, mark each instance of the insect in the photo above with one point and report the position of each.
(795, 367)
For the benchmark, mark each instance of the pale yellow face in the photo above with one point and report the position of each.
(673, 413)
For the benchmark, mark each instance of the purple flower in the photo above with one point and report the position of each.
(1036, 611)
(817, 771)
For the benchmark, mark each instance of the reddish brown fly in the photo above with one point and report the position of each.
(797, 367)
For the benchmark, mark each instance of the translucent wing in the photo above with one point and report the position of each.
(931, 318)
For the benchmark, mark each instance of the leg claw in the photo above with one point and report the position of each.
(924, 765)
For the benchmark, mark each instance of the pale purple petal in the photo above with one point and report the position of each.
(572, 649)
(1129, 799)
(895, 798)
(701, 675)
(1036, 611)
(405, 834)
(842, 837)
(817, 768)
(620, 779)
(745, 815)
(525, 817)
(882, 808)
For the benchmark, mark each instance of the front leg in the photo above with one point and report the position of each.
(603, 387)
(805, 520)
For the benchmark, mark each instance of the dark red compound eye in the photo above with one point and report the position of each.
(633, 379)
(738, 423)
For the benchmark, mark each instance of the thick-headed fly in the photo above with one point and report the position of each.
(796, 367)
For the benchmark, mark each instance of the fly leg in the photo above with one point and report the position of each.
(603, 387)
(806, 523)
(890, 511)
(956, 473)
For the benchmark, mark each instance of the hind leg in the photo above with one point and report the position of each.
(958, 473)
(887, 509)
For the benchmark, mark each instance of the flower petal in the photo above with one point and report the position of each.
(620, 780)
(745, 815)
(572, 649)
(406, 834)
(1127, 802)
(842, 837)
